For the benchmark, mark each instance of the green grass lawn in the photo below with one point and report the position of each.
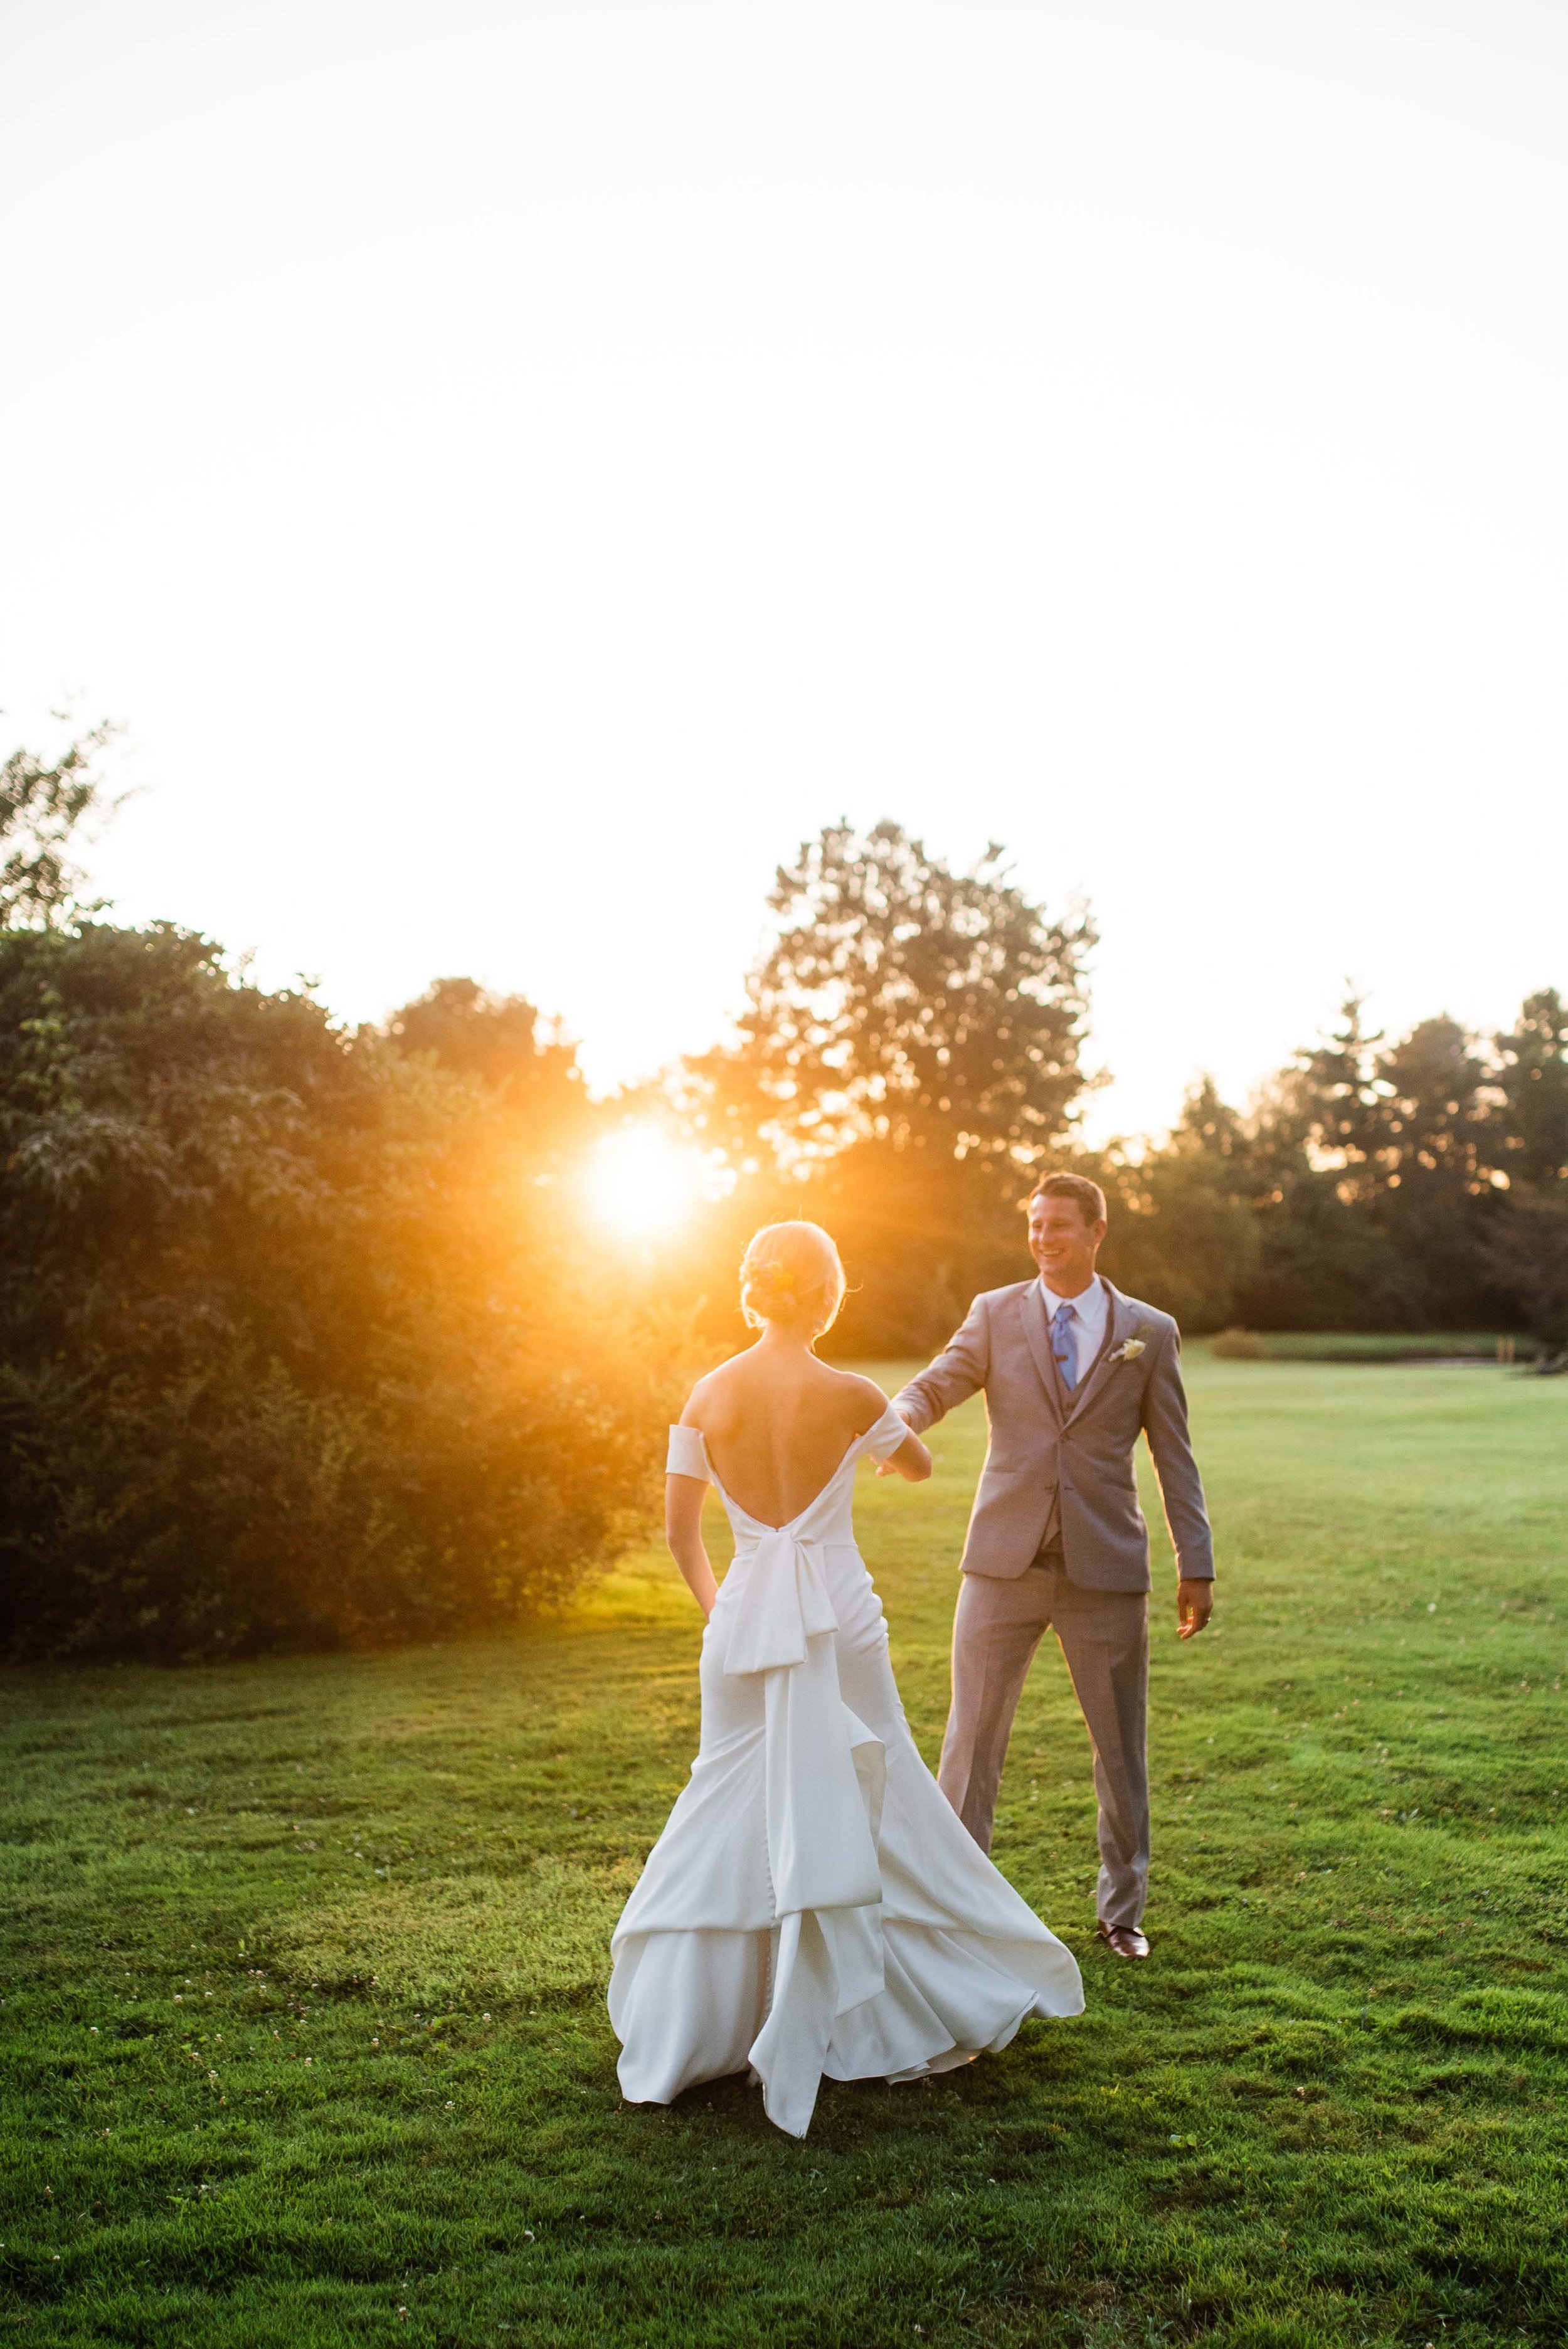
(304, 2037)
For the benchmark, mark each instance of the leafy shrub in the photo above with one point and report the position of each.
(299, 1344)
(1239, 1345)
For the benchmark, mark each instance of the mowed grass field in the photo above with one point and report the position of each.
(304, 2035)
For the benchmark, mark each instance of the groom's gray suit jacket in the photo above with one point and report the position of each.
(1061, 1464)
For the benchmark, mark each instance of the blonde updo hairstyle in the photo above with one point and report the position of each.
(790, 1273)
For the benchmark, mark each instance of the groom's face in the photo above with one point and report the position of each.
(1063, 1245)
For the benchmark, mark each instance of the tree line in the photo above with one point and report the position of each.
(304, 1339)
(910, 1059)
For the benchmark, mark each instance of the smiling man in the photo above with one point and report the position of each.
(1072, 1371)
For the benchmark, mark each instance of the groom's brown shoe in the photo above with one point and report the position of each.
(1124, 1940)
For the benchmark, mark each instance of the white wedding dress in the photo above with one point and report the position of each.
(814, 1905)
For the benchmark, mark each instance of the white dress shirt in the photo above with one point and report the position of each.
(1092, 1310)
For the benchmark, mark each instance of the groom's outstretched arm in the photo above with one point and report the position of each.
(960, 1370)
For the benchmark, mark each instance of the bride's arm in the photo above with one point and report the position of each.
(683, 1497)
(911, 1461)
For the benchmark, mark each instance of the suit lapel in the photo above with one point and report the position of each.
(1119, 1324)
(1038, 1331)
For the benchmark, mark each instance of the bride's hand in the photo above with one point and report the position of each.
(911, 1461)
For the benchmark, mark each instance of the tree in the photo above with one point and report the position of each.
(1372, 1179)
(1179, 1234)
(1440, 1140)
(1331, 1106)
(1324, 1263)
(1183, 1232)
(293, 1351)
(497, 1037)
(1433, 1117)
(43, 803)
(1527, 1247)
(904, 1004)
(500, 1041)
(1527, 1252)
(1209, 1127)
(1532, 1077)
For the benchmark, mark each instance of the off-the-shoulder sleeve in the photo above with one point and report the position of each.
(688, 1455)
(883, 1441)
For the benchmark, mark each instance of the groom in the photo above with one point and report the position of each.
(1072, 1371)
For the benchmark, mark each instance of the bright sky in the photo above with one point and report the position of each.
(519, 467)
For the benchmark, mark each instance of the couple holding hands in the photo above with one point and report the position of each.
(818, 1903)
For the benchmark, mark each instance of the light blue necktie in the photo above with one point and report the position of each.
(1064, 1345)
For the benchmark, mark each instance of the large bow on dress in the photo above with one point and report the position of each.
(786, 1603)
(823, 1772)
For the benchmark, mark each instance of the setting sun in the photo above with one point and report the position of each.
(645, 1184)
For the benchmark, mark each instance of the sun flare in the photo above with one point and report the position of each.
(645, 1184)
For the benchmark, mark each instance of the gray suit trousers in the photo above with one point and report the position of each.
(1104, 1636)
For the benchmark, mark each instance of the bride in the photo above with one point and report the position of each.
(813, 1904)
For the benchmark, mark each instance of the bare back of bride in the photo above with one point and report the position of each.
(813, 1906)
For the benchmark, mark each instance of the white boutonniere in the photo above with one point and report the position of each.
(1128, 1350)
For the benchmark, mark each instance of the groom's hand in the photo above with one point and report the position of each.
(1194, 1605)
